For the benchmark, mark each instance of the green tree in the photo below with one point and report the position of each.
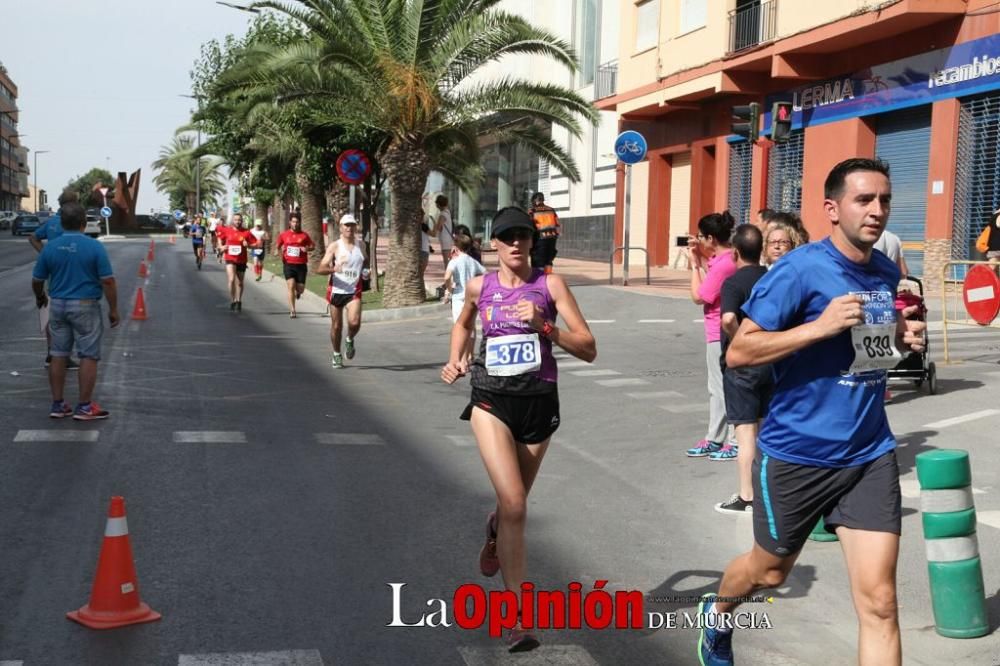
(403, 68)
(84, 186)
(180, 170)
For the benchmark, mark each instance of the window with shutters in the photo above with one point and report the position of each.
(784, 174)
(740, 166)
(977, 174)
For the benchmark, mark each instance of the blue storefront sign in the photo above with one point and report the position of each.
(963, 69)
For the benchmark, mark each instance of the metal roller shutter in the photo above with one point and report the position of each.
(903, 141)
(740, 165)
(977, 174)
(784, 174)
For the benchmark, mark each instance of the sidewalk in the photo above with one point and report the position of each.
(664, 282)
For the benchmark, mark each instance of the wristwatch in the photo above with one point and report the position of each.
(547, 329)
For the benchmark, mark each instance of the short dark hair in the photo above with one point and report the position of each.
(717, 225)
(538, 197)
(441, 200)
(767, 214)
(72, 216)
(749, 242)
(68, 196)
(294, 216)
(836, 180)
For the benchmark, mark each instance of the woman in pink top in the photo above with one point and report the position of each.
(712, 264)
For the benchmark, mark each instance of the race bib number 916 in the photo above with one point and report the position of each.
(511, 355)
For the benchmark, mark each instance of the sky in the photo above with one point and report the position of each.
(99, 79)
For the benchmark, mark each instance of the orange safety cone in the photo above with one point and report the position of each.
(149, 256)
(114, 599)
(142, 269)
(172, 239)
(139, 311)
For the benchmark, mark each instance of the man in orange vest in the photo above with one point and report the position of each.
(543, 250)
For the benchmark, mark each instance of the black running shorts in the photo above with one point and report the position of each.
(532, 419)
(790, 499)
(296, 272)
(747, 392)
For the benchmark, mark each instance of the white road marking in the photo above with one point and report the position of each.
(463, 441)
(281, 658)
(974, 416)
(575, 363)
(350, 438)
(11, 663)
(595, 373)
(551, 655)
(697, 321)
(57, 435)
(686, 408)
(210, 437)
(991, 518)
(600, 321)
(657, 321)
(654, 395)
(624, 381)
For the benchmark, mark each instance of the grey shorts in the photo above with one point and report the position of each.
(790, 499)
(79, 322)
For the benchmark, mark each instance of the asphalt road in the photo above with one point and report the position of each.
(277, 541)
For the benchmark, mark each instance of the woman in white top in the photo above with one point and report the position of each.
(443, 229)
(344, 262)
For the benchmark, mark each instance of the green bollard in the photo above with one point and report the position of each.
(819, 532)
(958, 597)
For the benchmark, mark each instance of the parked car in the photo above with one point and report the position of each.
(93, 228)
(24, 224)
(7, 217)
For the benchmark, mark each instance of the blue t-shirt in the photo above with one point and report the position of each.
(51, 229)
(821, 414)
(74, 265)
(197, 233)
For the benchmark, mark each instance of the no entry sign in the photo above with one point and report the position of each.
(353, 166)
(981, 294)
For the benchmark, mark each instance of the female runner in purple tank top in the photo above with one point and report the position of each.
(514, 407)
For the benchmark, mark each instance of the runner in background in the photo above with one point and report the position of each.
(294, 246)
(262, 238)
(543, 251)
(343, 262)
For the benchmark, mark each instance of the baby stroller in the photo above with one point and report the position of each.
(915, 365)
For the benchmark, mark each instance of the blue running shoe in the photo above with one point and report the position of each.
(703, 448)
(727, 452)
(715, 648)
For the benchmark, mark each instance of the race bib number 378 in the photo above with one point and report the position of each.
(511, 355)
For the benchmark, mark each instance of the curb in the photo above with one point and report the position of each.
(313, 300)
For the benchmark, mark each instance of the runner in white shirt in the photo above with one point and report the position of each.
(258, 252)
(344, 262)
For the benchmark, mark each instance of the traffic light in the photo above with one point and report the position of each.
(746, 121)
(781, 121)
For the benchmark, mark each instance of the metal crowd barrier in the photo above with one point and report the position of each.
(952, 304)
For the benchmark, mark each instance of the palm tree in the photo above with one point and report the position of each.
(404, 68)
(179, 169)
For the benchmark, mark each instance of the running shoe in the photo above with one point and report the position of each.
(239, 306)
(232, 306)
(715, 648)
(291, 315)
(703, 449)
(735, 504)
(90, 412)
(521, 640)
(727, 452)
(258, 278)
(349, 350)
(489, 563)
(60, 410)
(338, 361)
(48, 361)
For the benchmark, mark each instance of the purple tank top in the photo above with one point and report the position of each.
(498, 312)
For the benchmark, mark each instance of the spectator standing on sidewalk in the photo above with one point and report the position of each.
(711, 265)
(79, 272)
(443, 228)
(747, 390)
(543, 252)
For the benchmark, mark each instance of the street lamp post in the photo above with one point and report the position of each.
(37, 153)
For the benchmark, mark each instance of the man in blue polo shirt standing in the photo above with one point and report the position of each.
(825, 317)
(79, 273)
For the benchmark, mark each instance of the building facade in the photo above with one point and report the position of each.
(13, 157)
(913, 82)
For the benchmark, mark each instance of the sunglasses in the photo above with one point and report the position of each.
(510, 235)
(780, 243)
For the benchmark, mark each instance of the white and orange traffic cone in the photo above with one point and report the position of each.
(114, 599)
(142, 269)
(139, 311)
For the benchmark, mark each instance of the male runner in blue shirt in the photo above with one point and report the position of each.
(825, 317)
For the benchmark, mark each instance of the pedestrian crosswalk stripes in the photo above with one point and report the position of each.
(568, 365)
(210, 437)
(547, 655)
(57, 436)
(623, 381)
(349, 438)
(279, 658)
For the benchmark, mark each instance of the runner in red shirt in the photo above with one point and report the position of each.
(234, 241)
(294, 245)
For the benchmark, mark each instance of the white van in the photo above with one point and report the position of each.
(93, 228)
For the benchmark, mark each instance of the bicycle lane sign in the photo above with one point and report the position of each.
(630, 147)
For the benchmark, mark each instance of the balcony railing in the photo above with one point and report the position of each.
(752, 24)
(606, 81)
